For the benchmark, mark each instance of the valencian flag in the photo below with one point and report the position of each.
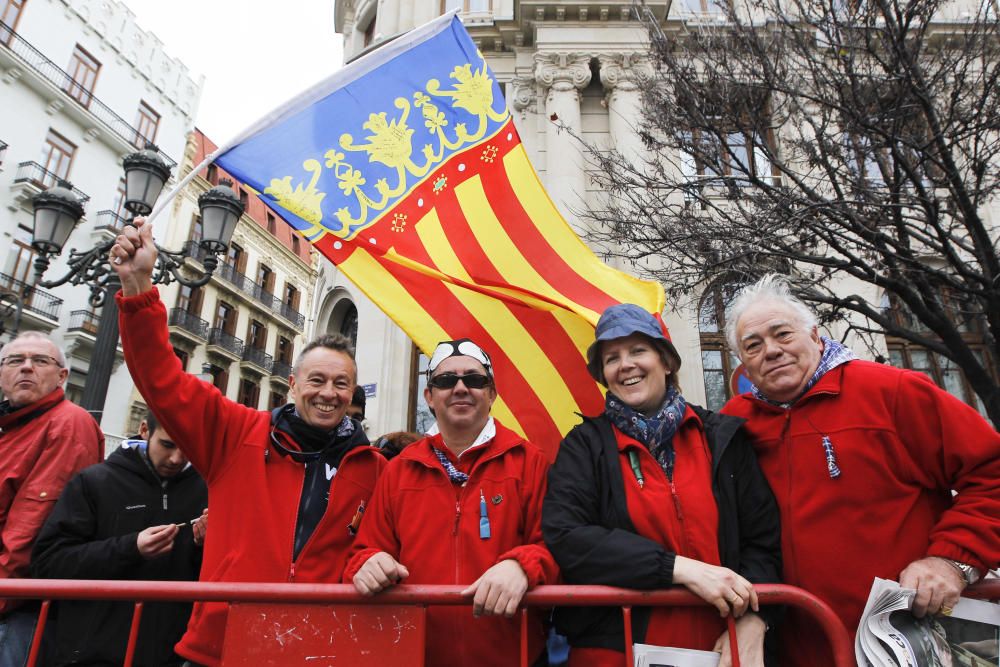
(405, 170)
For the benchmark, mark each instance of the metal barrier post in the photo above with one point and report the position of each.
(36, 640)
(524, 637)
(133, 634)
(627, 620)
(734, 649)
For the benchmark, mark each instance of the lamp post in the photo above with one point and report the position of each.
(57, 211)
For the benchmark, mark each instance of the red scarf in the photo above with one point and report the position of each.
(11, 417)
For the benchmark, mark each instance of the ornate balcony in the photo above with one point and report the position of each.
(188, 325)
(256, 360)
(15, 47)
(38, 301)
(224, 344)
(110, 221)
(31, 178)
(83, 320)
(280, 370)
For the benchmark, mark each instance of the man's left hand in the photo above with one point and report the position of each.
(938, 583)
(499, 591)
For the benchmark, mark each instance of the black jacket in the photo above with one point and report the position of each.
(586, 525)
(92, 533)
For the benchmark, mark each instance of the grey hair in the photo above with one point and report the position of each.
(40, 335)
(772, 287)
(336, 342)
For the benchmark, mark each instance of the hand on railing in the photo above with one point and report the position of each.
(718, 586)
(499, 591)
(379, 573)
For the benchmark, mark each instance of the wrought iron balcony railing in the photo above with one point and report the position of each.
(48, 70)
(37, 301)
(189, 322)
(84, 320)
(258, 358)
(226, 341)
(109, 220)
(36, 174)
(281, 369)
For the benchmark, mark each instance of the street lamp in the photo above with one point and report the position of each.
(57, 211)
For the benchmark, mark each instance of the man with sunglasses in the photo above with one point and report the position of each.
(461, 506)
(44, 441)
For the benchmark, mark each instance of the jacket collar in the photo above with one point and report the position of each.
(831, 384)
(504, 440)
(12, 417)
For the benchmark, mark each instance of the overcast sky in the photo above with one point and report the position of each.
(255, 54)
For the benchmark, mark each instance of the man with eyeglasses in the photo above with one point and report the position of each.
(44, 441)
(461, 506)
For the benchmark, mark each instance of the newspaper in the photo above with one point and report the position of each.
(890, 636)
(647, 655)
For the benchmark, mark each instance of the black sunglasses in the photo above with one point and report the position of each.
(449, 380)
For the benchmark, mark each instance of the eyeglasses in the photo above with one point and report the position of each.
(37, 360)
(450, 380)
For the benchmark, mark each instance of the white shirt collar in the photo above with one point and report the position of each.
(488, 433)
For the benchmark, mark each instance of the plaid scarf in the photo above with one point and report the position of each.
(834, 354)
(656, 432)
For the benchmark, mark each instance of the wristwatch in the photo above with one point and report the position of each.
(969, 573)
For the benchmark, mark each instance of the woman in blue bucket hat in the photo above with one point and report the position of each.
(655, 492)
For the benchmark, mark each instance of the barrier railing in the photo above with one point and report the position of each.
(419, 596)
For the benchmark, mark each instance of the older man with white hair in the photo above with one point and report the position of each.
(44, 441)
(863, 459)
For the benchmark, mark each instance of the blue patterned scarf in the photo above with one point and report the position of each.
(834, 354)
(454, 474)
(656, 432)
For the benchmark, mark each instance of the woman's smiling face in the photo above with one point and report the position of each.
(635, 372)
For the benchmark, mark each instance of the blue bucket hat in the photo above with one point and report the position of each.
(620, 321)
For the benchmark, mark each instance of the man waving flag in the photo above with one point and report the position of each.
(405, 169)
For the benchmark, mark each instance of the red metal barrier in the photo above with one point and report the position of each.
(419, 596)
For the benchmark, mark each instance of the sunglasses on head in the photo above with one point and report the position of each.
(449, 380)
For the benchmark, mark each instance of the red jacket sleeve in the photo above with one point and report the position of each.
(376, 533)
(953, 448)
(203, 422)
(533, 556)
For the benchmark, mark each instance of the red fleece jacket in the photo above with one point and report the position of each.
(431, 526)
(253, 490)
(43, 446)
(902, 445)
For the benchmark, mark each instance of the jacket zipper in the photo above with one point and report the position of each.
(295, 528)
(305, 547)
(163, 487)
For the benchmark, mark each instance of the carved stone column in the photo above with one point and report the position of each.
(522, 99)
(623, 75)
(564, 75)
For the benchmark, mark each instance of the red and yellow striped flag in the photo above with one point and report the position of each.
(463, 242)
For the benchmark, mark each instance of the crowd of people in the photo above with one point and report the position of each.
(830, 472)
